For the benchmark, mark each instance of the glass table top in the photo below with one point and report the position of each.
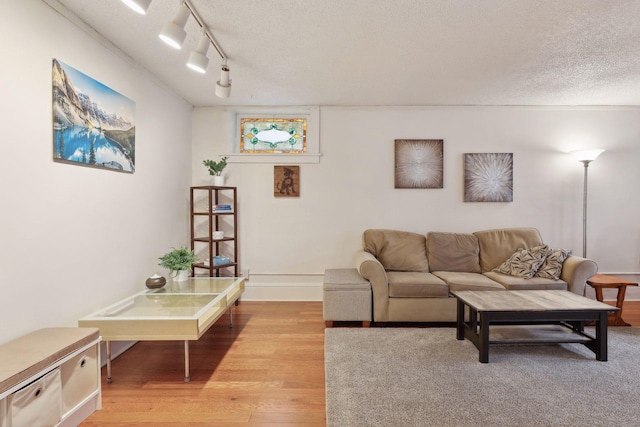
(197, 285)
(175, 300)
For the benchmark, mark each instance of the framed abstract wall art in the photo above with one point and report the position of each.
(93, 125)
(419, 163)
(488, 177)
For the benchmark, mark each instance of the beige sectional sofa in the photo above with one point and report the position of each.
(411, 274)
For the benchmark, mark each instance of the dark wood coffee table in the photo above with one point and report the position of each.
(531, 312)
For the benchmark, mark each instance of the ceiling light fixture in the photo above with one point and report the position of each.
(223, 86)
(198, 60)
(173, 32)
(140, 6)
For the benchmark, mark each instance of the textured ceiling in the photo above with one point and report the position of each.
(384, 52)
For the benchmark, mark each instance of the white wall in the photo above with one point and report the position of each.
(73, 239)
(287, 243)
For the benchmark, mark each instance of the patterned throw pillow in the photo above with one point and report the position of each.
(552, 266)
(524, 262)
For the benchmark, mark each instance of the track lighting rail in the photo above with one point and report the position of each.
(205, 30)
(173, 33)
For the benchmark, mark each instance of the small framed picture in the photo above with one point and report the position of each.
(286, 181)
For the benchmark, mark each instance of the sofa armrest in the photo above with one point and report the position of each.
(372, 270)
(575, 271)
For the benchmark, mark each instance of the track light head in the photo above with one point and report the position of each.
(223, 86)
(198, 60)
(173, 32)
(140, 6)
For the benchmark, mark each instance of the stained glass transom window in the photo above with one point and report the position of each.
(273, 136)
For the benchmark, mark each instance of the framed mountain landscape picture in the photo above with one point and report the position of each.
(93, 125)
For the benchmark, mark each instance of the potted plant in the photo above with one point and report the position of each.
(215, 170)
(178, 262)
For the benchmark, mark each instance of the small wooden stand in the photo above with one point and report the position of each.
(601, 281)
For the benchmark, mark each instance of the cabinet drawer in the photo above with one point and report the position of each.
(79, 377)
(38, 404)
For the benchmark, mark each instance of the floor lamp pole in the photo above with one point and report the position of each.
(586, 157)
(584, 210)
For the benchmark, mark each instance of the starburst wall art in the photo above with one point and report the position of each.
(419, 163)
(488, 177)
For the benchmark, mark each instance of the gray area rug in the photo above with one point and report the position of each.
(425, 377)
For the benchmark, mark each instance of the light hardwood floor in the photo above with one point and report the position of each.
(268, 370)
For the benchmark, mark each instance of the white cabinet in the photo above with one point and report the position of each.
(50, 377)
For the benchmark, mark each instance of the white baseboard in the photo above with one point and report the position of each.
(271, 287)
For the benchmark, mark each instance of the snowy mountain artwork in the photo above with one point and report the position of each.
(93, 125)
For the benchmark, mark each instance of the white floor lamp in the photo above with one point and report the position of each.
(586, 157)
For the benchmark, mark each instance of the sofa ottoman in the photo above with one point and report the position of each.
(346, 296)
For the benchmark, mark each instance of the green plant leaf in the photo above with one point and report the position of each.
(178, 259)
(216, 168)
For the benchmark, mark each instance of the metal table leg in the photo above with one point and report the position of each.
(187, 378)
(108, 345)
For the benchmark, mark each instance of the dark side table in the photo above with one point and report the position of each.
(601, 281)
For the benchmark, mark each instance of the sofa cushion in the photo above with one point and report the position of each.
(468, 281)
(453, 252)
(513, 283)
(397, 250)
(408, 284)
(552, 265)
(524, 262)
(496, 246)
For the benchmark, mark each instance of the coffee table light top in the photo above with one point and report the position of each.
(531, 300)
(179, 310)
